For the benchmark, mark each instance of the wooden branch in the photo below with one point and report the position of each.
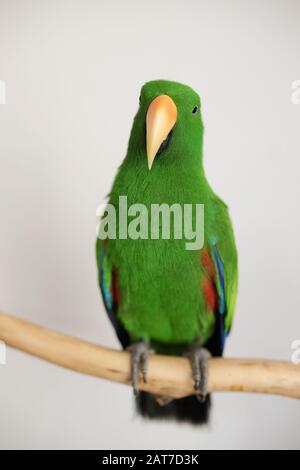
(166, 375)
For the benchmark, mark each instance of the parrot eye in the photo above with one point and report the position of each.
(140, 99)
(195, 110)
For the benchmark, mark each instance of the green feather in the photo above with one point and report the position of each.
(159, 280)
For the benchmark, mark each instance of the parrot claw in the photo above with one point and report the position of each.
(139, 363)
(198, 358)
(163, 400)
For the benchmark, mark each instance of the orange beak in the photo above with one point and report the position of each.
(160, 120)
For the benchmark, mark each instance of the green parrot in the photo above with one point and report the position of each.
(159, 295)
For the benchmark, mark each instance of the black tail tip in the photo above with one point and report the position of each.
(187, 409)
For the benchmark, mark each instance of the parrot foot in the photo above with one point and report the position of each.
(163, 400)
(139, 363)
(198, 358)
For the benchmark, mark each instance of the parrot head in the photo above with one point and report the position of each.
(167, 128)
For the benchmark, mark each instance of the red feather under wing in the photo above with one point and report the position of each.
(209, 281)
(115, 289)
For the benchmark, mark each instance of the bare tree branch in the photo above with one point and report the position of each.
(166, 376)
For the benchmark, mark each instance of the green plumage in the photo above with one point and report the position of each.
(160, 283)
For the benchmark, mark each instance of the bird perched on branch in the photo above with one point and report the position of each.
(161, 295)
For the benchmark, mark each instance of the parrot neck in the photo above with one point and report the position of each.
(164, 183)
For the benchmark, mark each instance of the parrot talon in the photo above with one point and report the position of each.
(139, 363)
(163, 400)
(196, 384)
(201, 398)
(198, 358)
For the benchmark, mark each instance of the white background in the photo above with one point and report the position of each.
(73, 71)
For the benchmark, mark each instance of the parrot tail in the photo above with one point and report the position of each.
(188, 409)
